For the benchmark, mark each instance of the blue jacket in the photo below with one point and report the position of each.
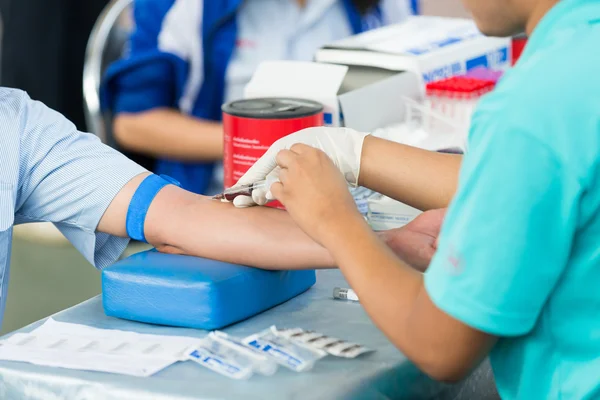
(125, 87)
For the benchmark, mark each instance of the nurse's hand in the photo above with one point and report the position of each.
(314, 192)
(342, 145)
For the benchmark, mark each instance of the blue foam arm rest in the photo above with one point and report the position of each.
(193, 292)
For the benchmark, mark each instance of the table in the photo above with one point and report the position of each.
(385, 374)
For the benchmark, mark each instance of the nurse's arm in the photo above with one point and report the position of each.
(151, 132)
(394, 296)
(485, 276)
(420, 178)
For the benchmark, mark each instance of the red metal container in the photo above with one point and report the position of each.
(251, 126)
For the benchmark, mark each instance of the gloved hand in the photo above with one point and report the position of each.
(342, 145)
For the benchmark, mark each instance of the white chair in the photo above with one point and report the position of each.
(105, 45)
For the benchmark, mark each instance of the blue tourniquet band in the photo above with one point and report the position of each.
(140, 203)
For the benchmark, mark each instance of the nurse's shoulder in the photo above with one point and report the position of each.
(551, 96)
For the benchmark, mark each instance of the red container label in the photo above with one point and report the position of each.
(247, 139)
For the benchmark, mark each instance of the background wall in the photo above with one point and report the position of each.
(46, 275)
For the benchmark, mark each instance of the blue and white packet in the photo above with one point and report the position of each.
(361, 197)
(261, 363)
(318, 341)
(213, 356)
(283, 351)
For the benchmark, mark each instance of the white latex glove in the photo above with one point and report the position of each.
(342, 145)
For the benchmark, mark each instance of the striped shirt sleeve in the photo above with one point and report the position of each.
(69, 178)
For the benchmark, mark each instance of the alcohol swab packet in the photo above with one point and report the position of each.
(221, 359)
(218, 364)
(261, 363)
(318, 341)
(283, 351)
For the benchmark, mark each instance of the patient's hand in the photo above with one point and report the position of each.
(416, 242)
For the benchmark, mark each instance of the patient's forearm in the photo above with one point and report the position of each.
(184, 223)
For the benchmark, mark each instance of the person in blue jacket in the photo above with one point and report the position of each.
(187, 57)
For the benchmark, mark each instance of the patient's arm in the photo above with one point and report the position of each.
(184, 223)
(261, 237)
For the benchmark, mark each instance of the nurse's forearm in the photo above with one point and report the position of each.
(169, 134)
(395, 298)
(185, 223)
(419, 178)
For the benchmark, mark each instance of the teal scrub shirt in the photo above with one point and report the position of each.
(519, 254)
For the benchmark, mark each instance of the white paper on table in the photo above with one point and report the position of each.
(74, 346)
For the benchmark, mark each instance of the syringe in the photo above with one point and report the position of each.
(243, 190)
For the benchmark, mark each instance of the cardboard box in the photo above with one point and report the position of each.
(356, 97)
(432, 47)
(386, 213)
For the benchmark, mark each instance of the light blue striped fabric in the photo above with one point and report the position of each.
(51, 172)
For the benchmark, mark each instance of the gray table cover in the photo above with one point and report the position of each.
(385, 374)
